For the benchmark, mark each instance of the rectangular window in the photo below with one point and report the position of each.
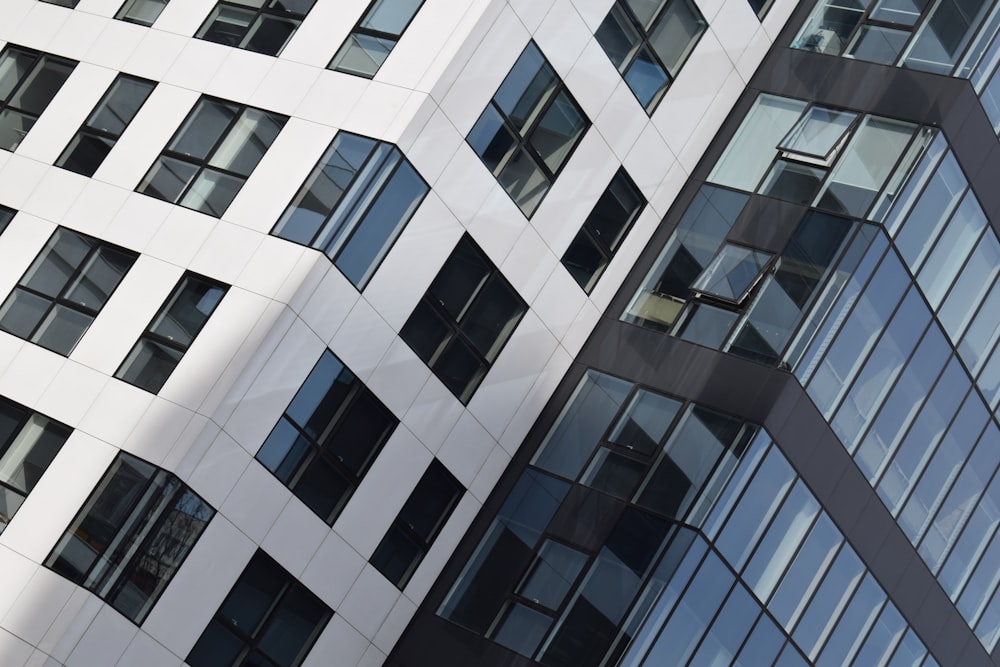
(369, 44)
(649, 41)
(529, 130)
(411, 535)
(110, 117)
(28, 82)
(328, 437)
(143, 12)
(63, 3)
(464, 319)
(29, 441)
(354, 204)
(212, 155)
(6, 215)
(603, 231)
(131, 536)
(64, 289)
(262, 26)
(162, 346)
(269, 619)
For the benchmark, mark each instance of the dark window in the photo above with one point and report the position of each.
(354, 204)
(143, 12)
(28, 443)
(62, 3)
(603, 231)
(170, 334)
(528, 131)
(649, 42)
(268, 619)
(131, 536)
(211, 156)
(264, 26)
(113, 113)
(464, 319)
(328, 437)
(28, 82)
(369, 44)
(64, 289)
(410, 536)
(6, 215)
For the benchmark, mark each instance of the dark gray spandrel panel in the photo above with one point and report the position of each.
(766, 224)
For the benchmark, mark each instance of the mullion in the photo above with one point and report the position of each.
(521, 142)
(342, 241)
(536, 121)
(892, 172)
(60, 297)
(203, 163)
(645, 40)
(355, 177)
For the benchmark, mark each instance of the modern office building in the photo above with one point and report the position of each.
(499, 333)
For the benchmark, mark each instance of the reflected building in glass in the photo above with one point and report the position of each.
(780, 445)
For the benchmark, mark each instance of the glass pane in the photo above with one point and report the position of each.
(390, 16)
(930, 213)
(21, 312)
(645, 422)
(212, 192)
(524, 181)
(283, 451)
(14, 125)
(85, 153)
(646, 78)
(143, 12)
(226, 25)
(550, 577)
(203, 128)
(247, 141)
(613, 473)
(41, 85)
(584, 260)
(120, 104)
(187, 310)
(706, 325)
(216, 646)
(292, 626)
(617, 36)
(269, 34)
(526, 88)
(521, 629)
(492, 317)
(62, 329)
(793, 181)
(951, 249)
(14, 65)
(830, 26)
(558, 131)
(818, 132)
(30, 454)
(878, 44)
(360, 433)
(148, 365)
(493, 142)
(362, 54)
(99, 277)
(944, 34)
(732, 272)
(805, 572)
(54, 266)
(675, 34)
(167, 178)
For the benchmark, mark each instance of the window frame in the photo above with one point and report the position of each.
(46, 256)
(123, 13)
(155, 338)
(265, 11)
(39, 60)
(360, 29)
(6, 215)
(102, 134)
(204, 164)
(456, 327)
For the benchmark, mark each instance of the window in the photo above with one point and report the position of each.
(131, 536)
(464, 319)
(28, 82)
(6, 215)
(354, 204)
(410, 536)
(649, 41)
(529, 130)
(264, 26)
(143, 12)
(63, 3)
(268, 619)
(328, 437)
(29, 441)
(211, 156)
(64, 289)
(170, 334)
(113, 113)
(603, 231)
(369, 44)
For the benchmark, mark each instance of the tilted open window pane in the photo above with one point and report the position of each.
(131, 536)
(464, 319)
(173, 329)
(209, 159)
(87, 150)
(328, 437)
(143, 12)
(269, 619)
(64, 289)
(529, 130)
(354, 204)
(263, 26)
(648, 42)
(375, 35)
(28, 82)
(732, 273)
(818, 132)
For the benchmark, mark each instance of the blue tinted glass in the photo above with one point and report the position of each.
(910, 651)
(853, 625)
(882, 640)
(988, 627)
(759, 502)
(981, 583)
(318, 386)
(762, 646)
(729, 629)
(748, 466)
(360, 256)
(931, 212)
(973, 540)
(283, 450)
(805, 572)
(791, 658)
(525, 86)
(916, 181)
(645, 77)
(971, 286)
(824, 609)
(781, 541)
(951, 249)
(982, 333)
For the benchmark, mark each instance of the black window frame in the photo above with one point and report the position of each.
(61, 301)
(124, 13)
(590, 234)
(129, 541)
(103, 137)
(273, 10)
(203, 164)
(6, 215)
(455, 328)
(321, 450)
(154, 338)
(39, 61)
(406, 530)
(387, 40)
(288, 587)
(522, 141)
